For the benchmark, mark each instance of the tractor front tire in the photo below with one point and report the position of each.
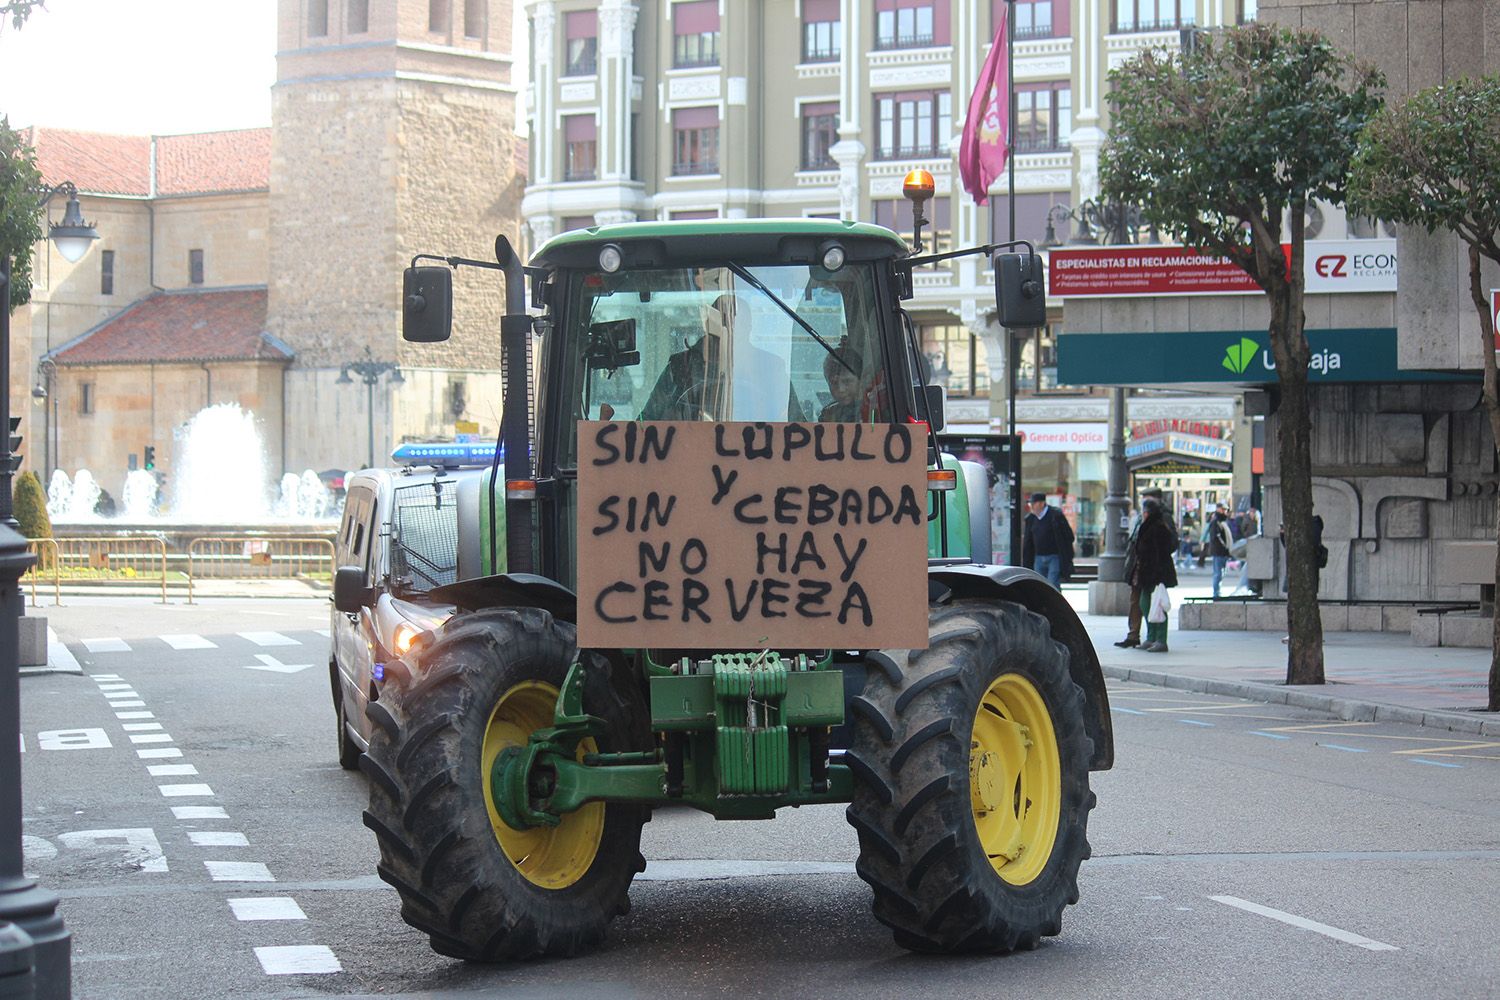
(480, 890)
(971, 793)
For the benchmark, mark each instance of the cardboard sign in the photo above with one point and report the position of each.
(740, 536)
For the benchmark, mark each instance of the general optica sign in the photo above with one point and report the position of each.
(1329, 266)
(1063, 437)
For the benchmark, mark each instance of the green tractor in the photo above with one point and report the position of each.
(511, 768)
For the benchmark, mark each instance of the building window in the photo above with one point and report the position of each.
(437, 16)
(695, 34)
(822, 31)
(695, 141)
(474, 11)
(581, 133)
(911, 24)
(917, 124)
(957, 358)
(572, 222)
(107, 272)
(357, 17)
(1044, 117)
(1034, 18)
(820, 130)
(583, 43)
(1248, 10)
(1133, 16)
(1031, 216)
(1036, 359)
(695, 214)
(317, 18)
(195, 267)
(895, 214)
(86, 397)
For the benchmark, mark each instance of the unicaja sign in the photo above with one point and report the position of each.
(1239, 357)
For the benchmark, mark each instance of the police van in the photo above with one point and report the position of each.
(397, 541)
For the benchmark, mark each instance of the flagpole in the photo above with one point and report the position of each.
(1010, 340)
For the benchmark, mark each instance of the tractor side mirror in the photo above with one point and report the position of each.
(427, 304)
(349, 590)
(1020, 295)
(937, 401)
(612, 345)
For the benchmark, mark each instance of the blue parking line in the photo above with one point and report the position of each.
(1336, 746)
(1434, 763)
(1194, 722)
(1269, 736)
(1127, 711)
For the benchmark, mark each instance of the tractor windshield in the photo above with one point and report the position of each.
(775, 343)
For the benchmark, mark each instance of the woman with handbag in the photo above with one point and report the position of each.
(1155, 572)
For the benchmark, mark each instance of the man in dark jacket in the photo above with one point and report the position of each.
(1047, 541)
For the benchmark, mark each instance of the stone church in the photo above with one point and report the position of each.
(251, 266)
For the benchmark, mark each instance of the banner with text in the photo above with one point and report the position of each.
(751, 535)
(1329, 266)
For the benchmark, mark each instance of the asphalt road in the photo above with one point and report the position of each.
(205, 843)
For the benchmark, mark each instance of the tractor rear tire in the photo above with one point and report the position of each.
(489, 679)
(971, 793)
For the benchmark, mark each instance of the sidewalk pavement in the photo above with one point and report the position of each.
(1371, 676)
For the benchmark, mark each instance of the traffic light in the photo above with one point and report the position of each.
(15, 444)
(150, 456)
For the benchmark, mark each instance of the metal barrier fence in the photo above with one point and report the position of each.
(237, 557)
(117, 559)
(45, 552)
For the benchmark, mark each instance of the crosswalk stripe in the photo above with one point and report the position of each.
(188, 642)
(269, 639)
(267, 908)
(157, 753)
(217, 838)
(298, 959)
(238, 871)
(106, 645)
(199, 812)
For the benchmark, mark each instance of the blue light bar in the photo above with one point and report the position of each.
(451, 455)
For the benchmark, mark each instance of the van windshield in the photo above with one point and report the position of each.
(774, 343)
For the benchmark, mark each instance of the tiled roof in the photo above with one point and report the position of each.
(213, 161)
(197, 163)
(224, 325)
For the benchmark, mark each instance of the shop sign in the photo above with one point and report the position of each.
(1064, 437)
(1240, 357)
(1202, 428)
(1189, 446)
(1329, 266)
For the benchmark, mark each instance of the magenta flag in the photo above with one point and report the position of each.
(983, 147)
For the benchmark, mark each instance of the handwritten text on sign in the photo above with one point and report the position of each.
(743, 535)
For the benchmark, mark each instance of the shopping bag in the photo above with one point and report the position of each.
(1160, 605)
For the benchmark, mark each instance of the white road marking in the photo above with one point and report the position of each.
(125, 691)
(178, 791)
(1434, 763)
(1338, 934)
(1269, 736)
(72, 739)
(171, 770)
(267, 908)
(1195, 722)
(151, 738)
(199, 812)
(127, 704)
(214, 838)
(269, 639)
(139, 845)
(298, 960)
(1340, 746)
(188, 642)
(275, 666)
(110, 645)
(134, 715)
(158, 753)
(105, 677)
(141, 727)
(238, 871)
(115, 686)
(324, 633)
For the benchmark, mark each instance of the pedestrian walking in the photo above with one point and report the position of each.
(1133, 631)
(1047, 541)
(1154, 545)
(1220, 542)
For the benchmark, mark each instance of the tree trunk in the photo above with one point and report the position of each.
(1492, 407)
(1304, 658)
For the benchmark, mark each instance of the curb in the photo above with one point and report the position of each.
(1348, 709)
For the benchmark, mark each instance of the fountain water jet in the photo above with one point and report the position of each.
(220, 475)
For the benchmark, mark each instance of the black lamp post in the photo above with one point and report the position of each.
(370, 371)
(22, 902)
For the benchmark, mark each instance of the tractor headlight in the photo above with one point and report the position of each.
(833, 257)
(610, 258)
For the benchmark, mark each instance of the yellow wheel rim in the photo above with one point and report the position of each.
(1015, 779)
(553, 857)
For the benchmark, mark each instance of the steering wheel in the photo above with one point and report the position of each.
(694, 400)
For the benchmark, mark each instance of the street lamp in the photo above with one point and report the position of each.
(370, 371)
(22, 902)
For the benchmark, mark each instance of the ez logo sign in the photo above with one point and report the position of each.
(1332, 265)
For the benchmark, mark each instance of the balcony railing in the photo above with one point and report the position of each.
(821, 53)
(1031, 32)
(1045, 144)
(688, 168)
(887, 42)
(582, 67)
(910, 152)
(1146, 27)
